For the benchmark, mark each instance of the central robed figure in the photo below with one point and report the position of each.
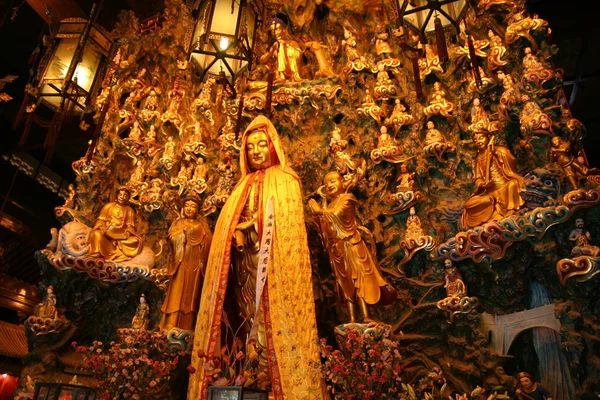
(260, 237)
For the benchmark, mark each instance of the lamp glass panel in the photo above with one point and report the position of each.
(200, 28)
(225, 17)
(61, 59)
(70, 28)
(250, 20)
(87, 68)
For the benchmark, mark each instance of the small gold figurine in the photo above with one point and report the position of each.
(533, 120)
(47, 308)
(429, 64)
(316, 48)
(497, 184)
(582, 239)
(406, 180)
(495, 56)
(438, 104)
(140, 318)
(560, 153)
(453, 281)
(399, 116)
(435, 143)
(510, 97)
(356, 269)
(414, 230)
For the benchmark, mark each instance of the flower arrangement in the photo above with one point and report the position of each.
(367, 366)
(237, 364)
(133, 368)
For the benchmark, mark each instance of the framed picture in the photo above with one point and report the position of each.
(236, 393)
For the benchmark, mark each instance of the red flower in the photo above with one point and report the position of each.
(191, 369)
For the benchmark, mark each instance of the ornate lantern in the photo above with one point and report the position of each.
(75, 64)
(423, 14)
(62, 391)
(223, 39)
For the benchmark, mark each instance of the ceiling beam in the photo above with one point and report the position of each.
(62, 8)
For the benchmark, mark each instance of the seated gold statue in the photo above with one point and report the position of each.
(114, 237)
(47, 308)
(357, 272)
(497, 183)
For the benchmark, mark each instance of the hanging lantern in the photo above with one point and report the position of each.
(79, 52)
(223, 39)
(422, 15)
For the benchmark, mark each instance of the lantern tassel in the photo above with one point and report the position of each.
(98, 129)
(417, 76)
(440, 40)
(474, 62)
(270, 79)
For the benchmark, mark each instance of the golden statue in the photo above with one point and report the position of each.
(284, 56)
(260, 237)
(113, 236)
(438, 104)
(135, 133)
(497, 183)
(382, 47)
(406, 179)
(560, 153)
(399, 116)
(190, 239)
(140, 318)
(175, 96)
(435, 143)
(479, 117)
(533, 120)
(349, 45)
(510, 97)
(414, 229)
(47, 308)
(431, 63)
(497, 52)
(356, 269)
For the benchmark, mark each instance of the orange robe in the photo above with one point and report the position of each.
(353, 265)
(502, 197)
(106, 238)
(287, 301)
(190, 239)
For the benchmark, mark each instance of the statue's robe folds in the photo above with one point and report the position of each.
(190, 239)
(353, 265)
(287, 300)
(106, 239)
(502, 197)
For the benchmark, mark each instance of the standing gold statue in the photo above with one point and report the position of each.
(190, 238)
(560, 153)
(355, 268)
(497, 183)
(284, 56)
(140, 318)
(260, 237)
(114, 237)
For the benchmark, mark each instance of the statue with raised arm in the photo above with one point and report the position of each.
(355, 267)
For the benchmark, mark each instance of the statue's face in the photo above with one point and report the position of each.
(333, 184)
(430, 125)
(123, 197)
(403, 169)
(142, 300)
(448, 263)
(526, 382)
(480, 141)
(190, 209)
(579, 223)
(81, 240)
(257, 150)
